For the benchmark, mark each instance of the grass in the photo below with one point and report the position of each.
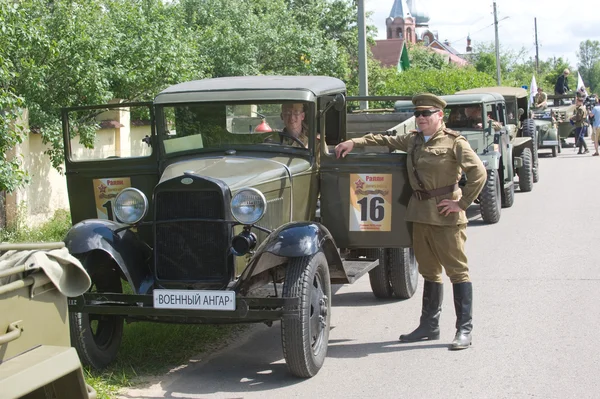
(148, 349)
(151, 349)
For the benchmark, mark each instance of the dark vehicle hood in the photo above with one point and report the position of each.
(239, 171)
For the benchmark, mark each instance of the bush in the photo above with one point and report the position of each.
(53, 230)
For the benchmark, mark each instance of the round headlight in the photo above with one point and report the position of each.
(131, 205)
(248, 206)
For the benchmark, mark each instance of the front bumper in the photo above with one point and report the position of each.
(247, 309)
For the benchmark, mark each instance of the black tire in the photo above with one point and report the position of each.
(555, 149)
(529, 130)
(526, 171)
(97, 338)
(508, 196)
(396, 276)
(490, 198)
(305, 335)
(379, 277)
(404, 272)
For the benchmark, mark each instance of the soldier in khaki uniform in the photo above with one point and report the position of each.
(579, 118)
(436, 158)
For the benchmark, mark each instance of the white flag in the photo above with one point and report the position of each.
(581, 85)
(532, 90)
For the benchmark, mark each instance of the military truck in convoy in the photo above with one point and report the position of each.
(521, 129)
(207, 211)
(36, 357)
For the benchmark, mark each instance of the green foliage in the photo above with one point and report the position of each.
(589, 63)
(53, 230)
(422, 58)
(437, 81)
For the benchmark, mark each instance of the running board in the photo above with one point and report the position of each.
(355, 269)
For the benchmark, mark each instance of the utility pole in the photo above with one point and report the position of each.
(497, 46)
(537, 52)
(363, 80)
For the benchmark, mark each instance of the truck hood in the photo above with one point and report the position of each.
(239, 171)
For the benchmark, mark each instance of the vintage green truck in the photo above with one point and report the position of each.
(208, 211)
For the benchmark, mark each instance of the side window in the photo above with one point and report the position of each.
(110, 133)
(333, 122)
(501, 113)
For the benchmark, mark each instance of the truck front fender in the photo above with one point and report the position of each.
(491, 160)
(291, 240)
(116, 240)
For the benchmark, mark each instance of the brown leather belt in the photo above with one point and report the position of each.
(422, 195)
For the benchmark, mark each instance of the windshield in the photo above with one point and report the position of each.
(464, 116)
(208, 126)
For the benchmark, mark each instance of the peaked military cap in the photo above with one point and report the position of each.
(428, 100)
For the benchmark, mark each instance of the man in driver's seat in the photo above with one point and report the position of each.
(293, 118)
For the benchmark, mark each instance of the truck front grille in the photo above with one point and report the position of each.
(190, 250)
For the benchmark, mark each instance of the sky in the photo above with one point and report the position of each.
(560, 28)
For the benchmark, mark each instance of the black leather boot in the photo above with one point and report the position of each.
(429, 325)
(463, 304)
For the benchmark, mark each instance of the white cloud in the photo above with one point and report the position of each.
(560, 28)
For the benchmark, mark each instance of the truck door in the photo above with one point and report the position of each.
(364, 198)
(108, 148)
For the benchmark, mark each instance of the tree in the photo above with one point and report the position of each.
(589, 56)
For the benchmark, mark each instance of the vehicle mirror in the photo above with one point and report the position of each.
(521, 111)
(338, 103)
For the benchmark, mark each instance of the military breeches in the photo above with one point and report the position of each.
(440, 248)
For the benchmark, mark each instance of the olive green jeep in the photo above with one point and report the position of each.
(207, 210)
(36, 357)
(521, 129)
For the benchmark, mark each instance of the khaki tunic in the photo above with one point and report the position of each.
(438, 240)
(579, 116)
(439, 163)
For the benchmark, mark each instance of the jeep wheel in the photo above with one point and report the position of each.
(490, 199)
(554, 151)
(508, 196)
(97, 338)
(404, 272)
(526, 171)
(305, 335)
(396, 276)
(529, 130)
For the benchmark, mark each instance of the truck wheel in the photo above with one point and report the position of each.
(404, 272)
(305, 335)
(526, 172)
(379, 276)
(490, 199)
(529, 130)
(508, 196)
(97, 338)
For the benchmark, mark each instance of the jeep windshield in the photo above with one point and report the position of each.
(210, 126)
(464, 116)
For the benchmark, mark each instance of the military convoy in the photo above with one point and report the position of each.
(36, 357)
(207, 211)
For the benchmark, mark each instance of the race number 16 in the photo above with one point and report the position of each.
(372, 209)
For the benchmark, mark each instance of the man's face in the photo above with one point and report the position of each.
(473, 112)
(292, 116)
(430, 124)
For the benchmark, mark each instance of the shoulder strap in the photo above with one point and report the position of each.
(417, 177)
(451, 132)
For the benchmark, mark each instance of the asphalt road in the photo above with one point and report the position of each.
(536, 280)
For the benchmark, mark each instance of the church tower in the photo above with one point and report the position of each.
(401, 24)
